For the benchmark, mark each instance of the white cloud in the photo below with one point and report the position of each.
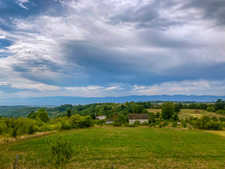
(41, 39)
(199, 87)
(23, 1)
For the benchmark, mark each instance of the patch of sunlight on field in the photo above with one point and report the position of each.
(220, 133)
(154, 110)
(187, 113)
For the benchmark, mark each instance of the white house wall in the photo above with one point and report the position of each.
(131, 121)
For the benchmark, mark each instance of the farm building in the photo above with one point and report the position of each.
(101, 117)
(109, 121)
(137, 117)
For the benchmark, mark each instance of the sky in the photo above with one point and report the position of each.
(101, 48)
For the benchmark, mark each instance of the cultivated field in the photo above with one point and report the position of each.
(187, 113)
(137, 147)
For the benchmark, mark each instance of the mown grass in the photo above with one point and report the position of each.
(125, 148)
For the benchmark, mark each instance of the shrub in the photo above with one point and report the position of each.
(220, 112)
(130, 125)
(101, 122)
(14, 132)
(210, 109)
(60, 151)
(184, 124)
(222, 119)
(85, 122)
(3, 128)
(65, 125)
(31, 130)
(175, 117)
(214, 119)
(144, 123)
(165, 123)
(157, 115)
(136, 123)
(117, 124)
(174, 124)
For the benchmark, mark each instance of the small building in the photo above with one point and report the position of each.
(101, 117)
(109, 121)
(137, 117)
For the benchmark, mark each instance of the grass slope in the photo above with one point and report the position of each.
(187, 113)
(125, 148)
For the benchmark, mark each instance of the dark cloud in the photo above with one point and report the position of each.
(212, 9)
(161, 39)
(197, 71)
(147, 16)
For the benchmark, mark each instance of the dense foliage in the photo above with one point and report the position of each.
(82, 116)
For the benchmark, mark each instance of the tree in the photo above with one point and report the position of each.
(69, 113)
(167, 110)
(176, 108)
(32, 115)
(138, 109)
(42, 115)
(220, 104)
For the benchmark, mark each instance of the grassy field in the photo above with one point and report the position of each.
(187, 113)
(140, 147)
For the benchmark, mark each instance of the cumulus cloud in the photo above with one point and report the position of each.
(86, 46)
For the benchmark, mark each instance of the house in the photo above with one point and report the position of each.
(101, 117)
(109, 121)
(137, 117)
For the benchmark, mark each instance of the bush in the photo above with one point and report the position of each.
(14, 132)
(214, 119)
(184, 124)
(136, 123)
(174, 124)
(175, 117)
(3, 128)
(31, 130)
(210, 109)
(220, 112)
(85, 122)
(60, 151)
(101, 122)
(222, 119)
(65, 125)
(130, 125)
(165, 123)
(144, 123)
(117, 124)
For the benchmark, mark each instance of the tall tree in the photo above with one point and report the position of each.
(167, 110)
(220, 104)
(42, 115)
(69, 113)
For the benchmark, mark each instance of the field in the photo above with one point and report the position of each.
(139, 147)
(187, 113)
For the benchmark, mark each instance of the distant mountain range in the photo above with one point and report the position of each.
(59, 100)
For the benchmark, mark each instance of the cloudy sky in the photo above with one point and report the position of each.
(99, 48)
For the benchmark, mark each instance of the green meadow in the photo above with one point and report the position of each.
(123, 147)
(187, 113)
